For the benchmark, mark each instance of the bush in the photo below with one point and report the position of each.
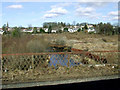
(79, 30)
(35, 30)
(37, 46)
(42, 30)
(61, 40)
(16, 32)
(65, 29)
(59, 31)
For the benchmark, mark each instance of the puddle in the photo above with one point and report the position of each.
(62, 60)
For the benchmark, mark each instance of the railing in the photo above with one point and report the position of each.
(29, 67)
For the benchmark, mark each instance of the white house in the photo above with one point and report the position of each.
(91, 30)
(89, 25)
(46, 29)
(72, 30)
(27, 30)
(82, 26)
(54, 31)
(62, 29)
(76, 26)
(1, 31)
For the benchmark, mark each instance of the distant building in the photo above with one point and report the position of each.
(76, 26)
(10, 29)
(91, 30)
(27, 30)
(1, 31)
(54, 31)
(82, 26)
(72, 30)
(89, 25)
(46, 29)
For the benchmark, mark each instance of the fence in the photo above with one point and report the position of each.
(29, 67)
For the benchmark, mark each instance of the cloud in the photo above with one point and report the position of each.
(50, 15)
(58, 10)
(88, 12)
(113, 13)
(115, 18)
(84, 11)
(15, 6)
(55, 11)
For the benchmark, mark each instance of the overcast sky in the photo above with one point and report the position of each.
(35, 13)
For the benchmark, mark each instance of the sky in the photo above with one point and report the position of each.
(36, 13)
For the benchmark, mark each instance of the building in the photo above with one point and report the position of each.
(46, 29)
(91, 30)
(10, 29)
(54, 31)
(72, 30)
(89, 25)
(1, 31)
(27, 30)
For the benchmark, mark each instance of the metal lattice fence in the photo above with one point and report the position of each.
(29, 67)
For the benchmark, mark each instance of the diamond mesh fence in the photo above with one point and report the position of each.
(30, 67)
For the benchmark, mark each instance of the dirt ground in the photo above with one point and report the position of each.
(89, 42)
(61, 73)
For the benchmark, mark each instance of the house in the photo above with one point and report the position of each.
(54, 31)
(89, 25)
(46, 29)
(76, 26)
(10, 29)
(27, 30)
(82, 26)
(72, 30)
(91, 30)
(1, 31)
(62, 28)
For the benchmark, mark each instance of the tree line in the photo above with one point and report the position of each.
(107, 29)
(101, 28)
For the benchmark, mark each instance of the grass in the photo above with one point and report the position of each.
(52, 74)
(23, 44)
(39, 43)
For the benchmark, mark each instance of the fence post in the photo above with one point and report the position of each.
(32, 61)
(68, 64)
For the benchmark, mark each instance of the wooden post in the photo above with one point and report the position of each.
(32, 61)
(68, 64)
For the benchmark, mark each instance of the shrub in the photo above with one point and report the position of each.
(42, 30)
(35, 30)
(65, 29)
(37, 46)
(79, 30)
(59, 31)
(61, 41)
(16, 32)
(49, 29)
